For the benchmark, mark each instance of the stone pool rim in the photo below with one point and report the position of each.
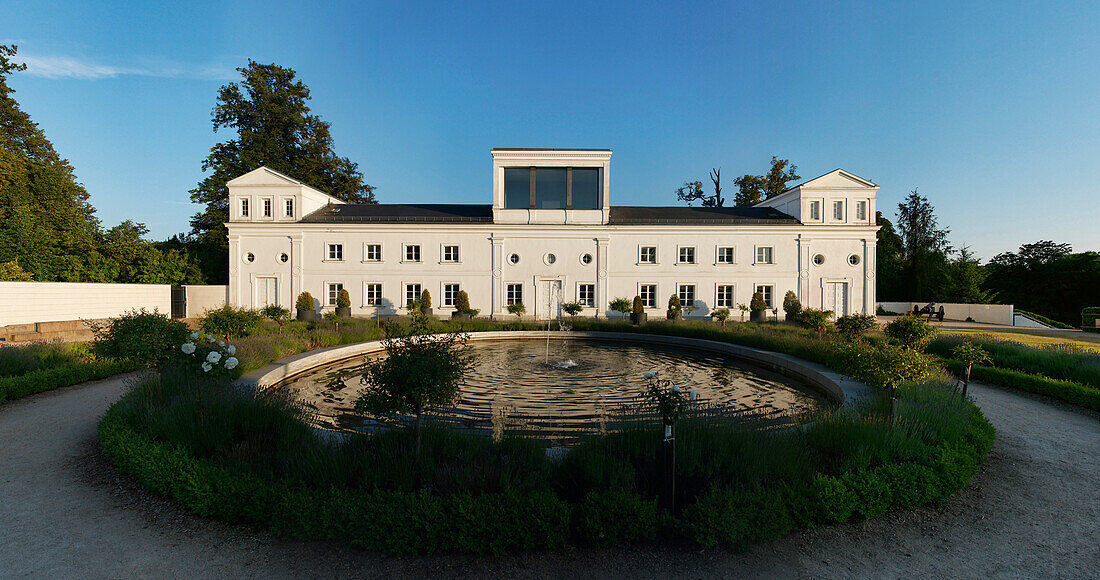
(840, 389)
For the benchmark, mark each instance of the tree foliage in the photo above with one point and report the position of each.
(924, 247)
(274, 127)
(692, 191)
(753, 189)
(965, 277)
(888, 261)
(1046, 278)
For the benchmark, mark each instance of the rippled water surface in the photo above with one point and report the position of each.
(515, 385)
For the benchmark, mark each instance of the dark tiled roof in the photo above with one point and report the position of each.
(401, 213)
(635, 215)
(469, 213)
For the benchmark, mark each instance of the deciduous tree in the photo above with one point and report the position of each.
(753, 189)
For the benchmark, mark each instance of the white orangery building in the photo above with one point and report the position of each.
(550, 236)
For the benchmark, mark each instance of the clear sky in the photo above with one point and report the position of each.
(991, 109)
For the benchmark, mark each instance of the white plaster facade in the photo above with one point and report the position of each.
(286, 242)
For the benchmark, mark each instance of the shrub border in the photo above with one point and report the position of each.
(43, 380)
(1068, 391)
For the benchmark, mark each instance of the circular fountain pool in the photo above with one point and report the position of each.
(573, 387)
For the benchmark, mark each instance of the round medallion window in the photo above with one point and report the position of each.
(549, 259)
(819, 259)
(514, 258)
(586, 259)
(250, 257)
(853, 259)
(284, 258)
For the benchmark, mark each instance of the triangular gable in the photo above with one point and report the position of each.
(837, 179)
(263, 176)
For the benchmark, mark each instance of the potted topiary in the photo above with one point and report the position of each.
(343, 304)
(675, 310)
(462, 307)
(638, 316)
(757, 307)
(621, 305)
(425, 303)
(791, 306)
(306, 307)
(721, 314)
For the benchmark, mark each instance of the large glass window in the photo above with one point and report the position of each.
(648, 293)
(372, 294)
(517, 188)
(515, 294)
(586, 188)
(724, 299)
(550, 188)
(412, 293)
(687, 295)
(450, 294)
(586, 294)
(334, 293)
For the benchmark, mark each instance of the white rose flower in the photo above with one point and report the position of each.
(676, 389)
(221, 343)
(694, 394)
(650, 375)
(210, 337)
(231, 350)
(213, 357)
(231, 363)
(194, 335)
(188, 348)
(207, 366)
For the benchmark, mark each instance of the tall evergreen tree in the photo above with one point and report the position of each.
(925, 248)
(274, 127)
(965, 277)
(47, 225)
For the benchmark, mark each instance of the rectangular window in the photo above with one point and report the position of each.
(450, 253)
(334, 293)
(838, 210)
(412, 252)
(372, 252)
(372, 295)
(450, 294)
(687, 295)
(244, 208)
(586, 188)
(289, 208)
(815, 210)
(861, 210)
(336, 252)
(764, 255)
(586, 294)
(648, 294)
(724, 298)
(767, 292)
(687, 255)
(517, 188)
(647, 255)
(515, 294)
(267, 208)
(550, 188)
(725, 255)
(412, 293)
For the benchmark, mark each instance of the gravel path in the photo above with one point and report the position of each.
(1031, 511)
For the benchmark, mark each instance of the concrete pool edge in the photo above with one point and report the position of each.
(842, 390)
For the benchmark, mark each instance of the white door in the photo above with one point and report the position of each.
(265, 292)
(836, 298)
(548, 302)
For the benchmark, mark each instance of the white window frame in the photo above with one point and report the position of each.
(330, 296)
(328, 252)
(756, 256)
(861, 210)
(443, 253)
(443, 294)
(694, 255)
(288, 207)
(653, 305)
(718, 253)
(587, 304)
(508, 300)
(367, 245)
(770, 302)
(718, 295)
(405, 292)
(267, 208)
(244, 207)
(366, 295)
(838, 207)
(694, 294)
(656, 253)
(405, 253)
(813, 211)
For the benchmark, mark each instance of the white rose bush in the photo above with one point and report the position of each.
(207, 358)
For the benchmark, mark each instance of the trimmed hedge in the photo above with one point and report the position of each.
(1068, 391)
(62, 376)
(1045, 320)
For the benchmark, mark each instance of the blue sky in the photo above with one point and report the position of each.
(991, 109)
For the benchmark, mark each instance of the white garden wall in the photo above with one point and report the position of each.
(987, 313)
(199, 299)
(30, 302)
